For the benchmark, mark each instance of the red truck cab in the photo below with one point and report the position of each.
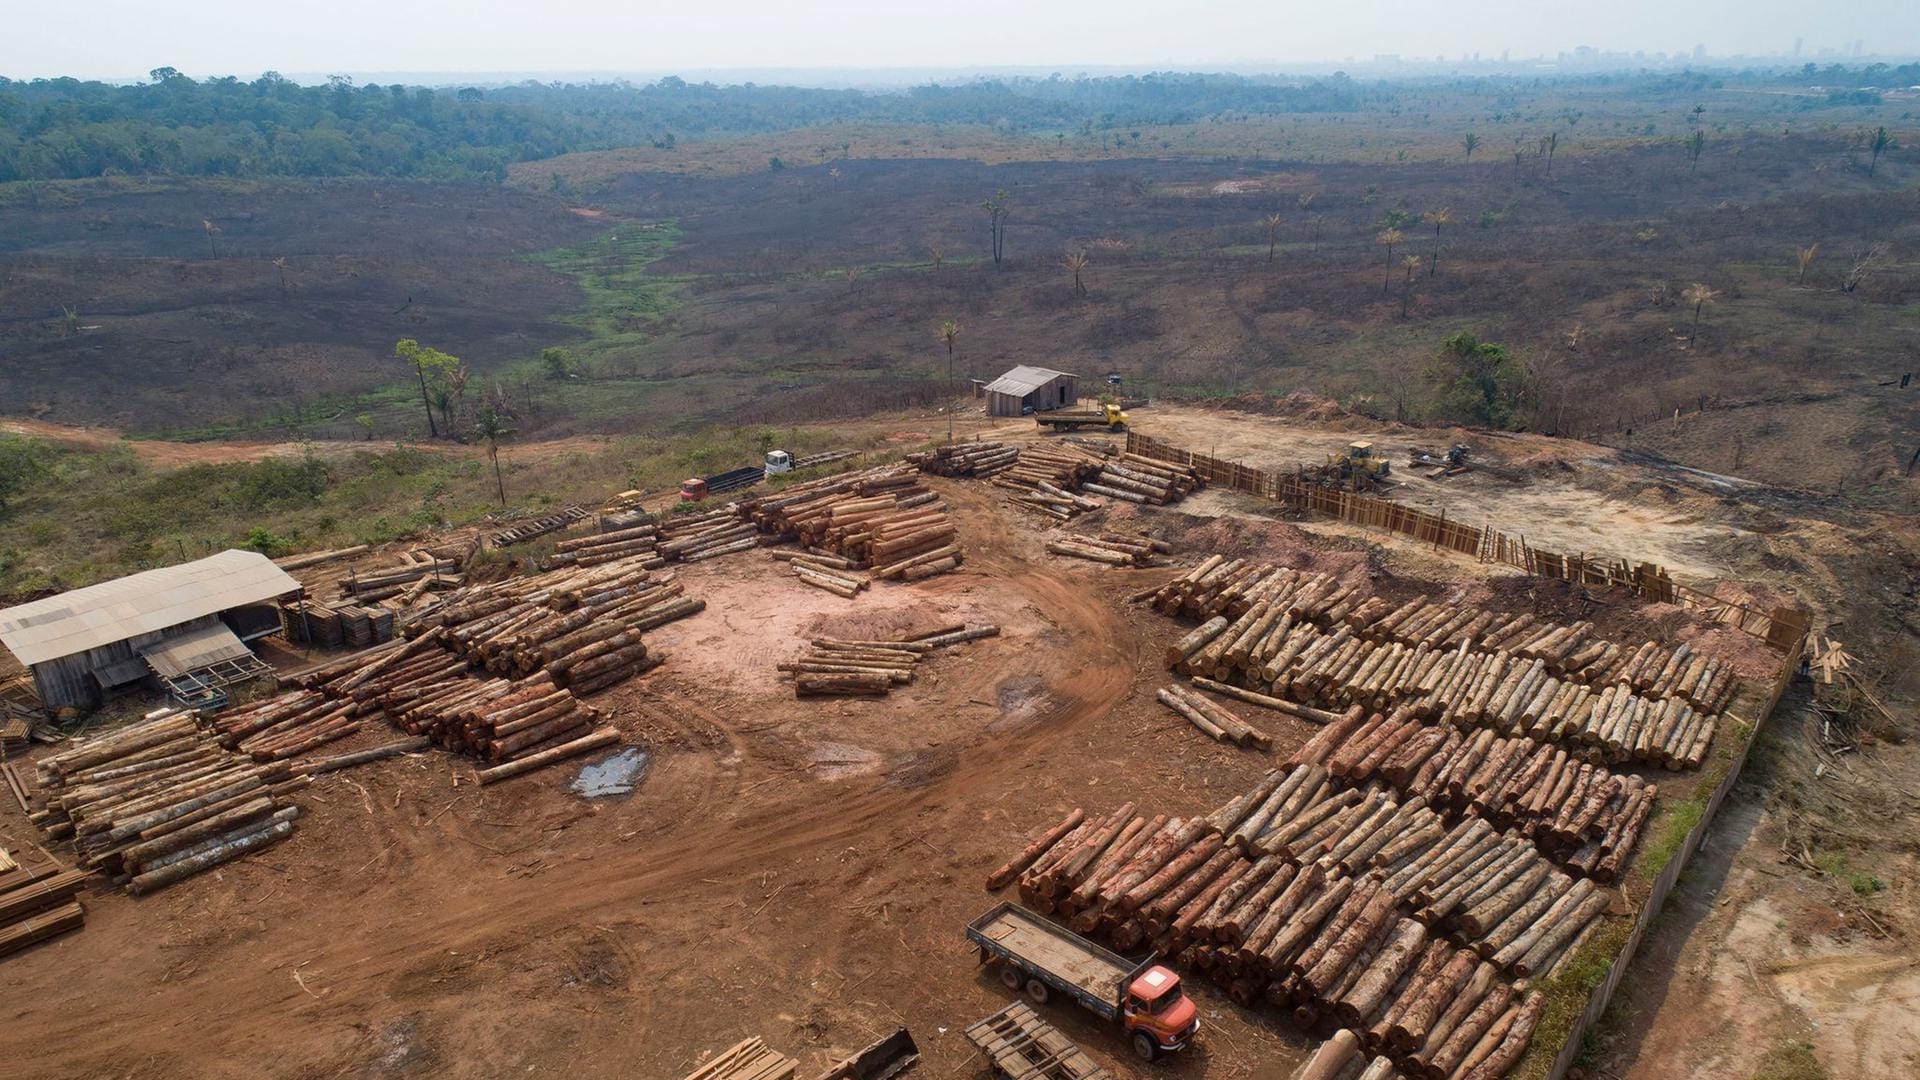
(693, 489)
(1159, 1017)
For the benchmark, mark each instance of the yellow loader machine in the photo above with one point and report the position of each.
(1357, 469)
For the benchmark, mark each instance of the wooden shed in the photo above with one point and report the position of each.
(1026, 390)
(85, 644)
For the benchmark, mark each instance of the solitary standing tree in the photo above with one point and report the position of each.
(996, 209)
(1076, 261)
(1412, 263)
(1440, 217)
(1470, 143)
(1881, 143)
(1698, 295)
(1272, 223)
(949, 331)
(1389, 238)
(1549, 144)
(491, 427)
(1806, 256)
(1696, 145)
(280, 264)
(213, 249)
(425, 361)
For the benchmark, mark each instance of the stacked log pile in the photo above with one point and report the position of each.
(980, 459)
(289, 724)
(1588, 818)
(639, 544)
(1114, 549)
(834, 667)
(833, 573)
(881, 520)
(749, 1059)
(697, 537)
(1286, 634)
(161, 800)
(1573, 653)
(1320, 925)
(1144, 480)
(38, 903)
(1060, 466)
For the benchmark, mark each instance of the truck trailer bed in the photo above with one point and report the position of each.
(1039, 943)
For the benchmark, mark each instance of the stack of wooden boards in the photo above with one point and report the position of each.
(1114, 549)
(833, 667)
(1022, 1046)
(748, 1059)
(1288, 634)
(1377, 918)
(981, 459)
(37, 903)
(525, 531)
(881, 520)
(161, 800)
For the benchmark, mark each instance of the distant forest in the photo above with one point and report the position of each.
(175, 125)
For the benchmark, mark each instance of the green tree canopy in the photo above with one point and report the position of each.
(1478, 382)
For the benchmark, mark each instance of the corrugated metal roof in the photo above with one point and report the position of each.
(200, 647)
(144, 603)
(1024, 380)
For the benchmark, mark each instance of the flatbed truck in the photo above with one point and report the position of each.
(1045, 959)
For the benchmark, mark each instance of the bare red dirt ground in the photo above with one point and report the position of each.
(799, 870)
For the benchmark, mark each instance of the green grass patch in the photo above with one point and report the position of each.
(1792, 1060)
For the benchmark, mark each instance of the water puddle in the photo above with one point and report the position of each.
(615, 775)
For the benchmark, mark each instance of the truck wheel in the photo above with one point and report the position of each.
(1011, 976)
(1037, 991)
(1144, 1046)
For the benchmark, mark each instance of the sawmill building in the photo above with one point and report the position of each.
(1026, 390)
(184, 626)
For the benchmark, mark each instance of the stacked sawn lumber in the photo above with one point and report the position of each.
(160, 800)
(834, 667)
(748, 1059)
(38, 903)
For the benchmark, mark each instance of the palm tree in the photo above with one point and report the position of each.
(1882, 142)
(949, 331)
(1806, 256)
(1440, 217)
(1272, 221)
(1412, 263)
(1696, 145)
(214, 249)
(280, 264)
(1470, 143)
(491, 427)
(1550, 143)
(1389, 238)
(1076, 261)
(1698, 295)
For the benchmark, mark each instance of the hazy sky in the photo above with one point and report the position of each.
(121, 38)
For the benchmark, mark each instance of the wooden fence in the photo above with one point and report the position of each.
(1779, 627)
